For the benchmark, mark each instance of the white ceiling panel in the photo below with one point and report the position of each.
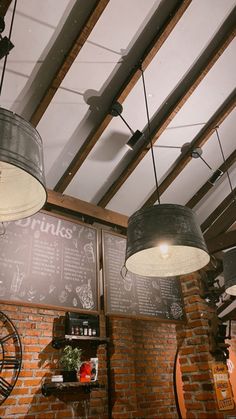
(34, 26)
(161, 78)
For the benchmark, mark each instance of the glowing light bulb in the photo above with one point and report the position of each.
(164, 250)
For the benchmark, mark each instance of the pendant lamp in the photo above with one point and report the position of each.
(229, 264)
(22, 183)
(164, 240)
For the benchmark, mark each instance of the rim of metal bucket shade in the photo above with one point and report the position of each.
(171, 225)
(229, 271)
(21, 155)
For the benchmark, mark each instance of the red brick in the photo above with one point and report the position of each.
(189, 368)
(204, 396)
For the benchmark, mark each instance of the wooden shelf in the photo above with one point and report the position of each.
(52, 388)
(57, 343)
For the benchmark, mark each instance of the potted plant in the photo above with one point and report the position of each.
(71, 362)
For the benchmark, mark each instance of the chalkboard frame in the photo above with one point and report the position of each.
(129, 315)
(54, 306)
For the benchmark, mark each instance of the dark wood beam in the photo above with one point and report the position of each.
(55, 200)
(209, 225)
(229, 310)
(176, 100)
(207, 186)
(222, 242)
(145, 56)
(68, 60)
(4, 6)
(223, 222)
(199, 141)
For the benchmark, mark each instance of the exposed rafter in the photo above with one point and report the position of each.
(68, 60)
(4, 5)
(139, 53)
(199, 141)
(221, 219)
(57, 201)
(222, 242)
(207, 186)
(177, 99)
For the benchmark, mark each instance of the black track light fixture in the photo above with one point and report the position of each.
(116, 110)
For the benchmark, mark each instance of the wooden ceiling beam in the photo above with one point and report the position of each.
(68, 60)
(207, 186)
(211, 219)
(4, 6)
(56, 200)
(221, 219)
(221, 242)
(145, 57)
(199, 141)
(175, 102)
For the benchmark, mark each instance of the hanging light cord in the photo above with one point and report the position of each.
(226, 169)
(3, 229)
(149, 134)
(204, 161)
(125, 122)
(9, 39)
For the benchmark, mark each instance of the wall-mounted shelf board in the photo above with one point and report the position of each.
(54, 388)
(57, 343)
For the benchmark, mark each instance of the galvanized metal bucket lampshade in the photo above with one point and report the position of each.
(229, 265)
(165, 240)
(22, 183)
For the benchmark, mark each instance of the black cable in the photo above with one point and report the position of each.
(9, 39)
(226, 168)
(149, 133)
(204, 161)
(126, 123)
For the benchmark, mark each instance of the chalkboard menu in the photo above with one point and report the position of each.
(49, 261)
(132, 295)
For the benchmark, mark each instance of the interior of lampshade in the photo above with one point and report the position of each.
(22, 194)
(180, 260)
(231, 290)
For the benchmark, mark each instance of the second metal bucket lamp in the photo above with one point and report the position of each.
(164, 240)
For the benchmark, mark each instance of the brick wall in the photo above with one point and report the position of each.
(195, 357)
(36, 327)
(141, 366)
(142, 358)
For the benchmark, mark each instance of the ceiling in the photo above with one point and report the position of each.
(74, 59)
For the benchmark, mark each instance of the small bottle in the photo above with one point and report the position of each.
(81, 331)
(85, 331)
(90, 332)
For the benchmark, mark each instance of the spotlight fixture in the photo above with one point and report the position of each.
(215, 177)
(117, 110)
(164, 240)
(5, 44)
(197, 153)
(134, 139)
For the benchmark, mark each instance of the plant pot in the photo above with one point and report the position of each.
(69, 376)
